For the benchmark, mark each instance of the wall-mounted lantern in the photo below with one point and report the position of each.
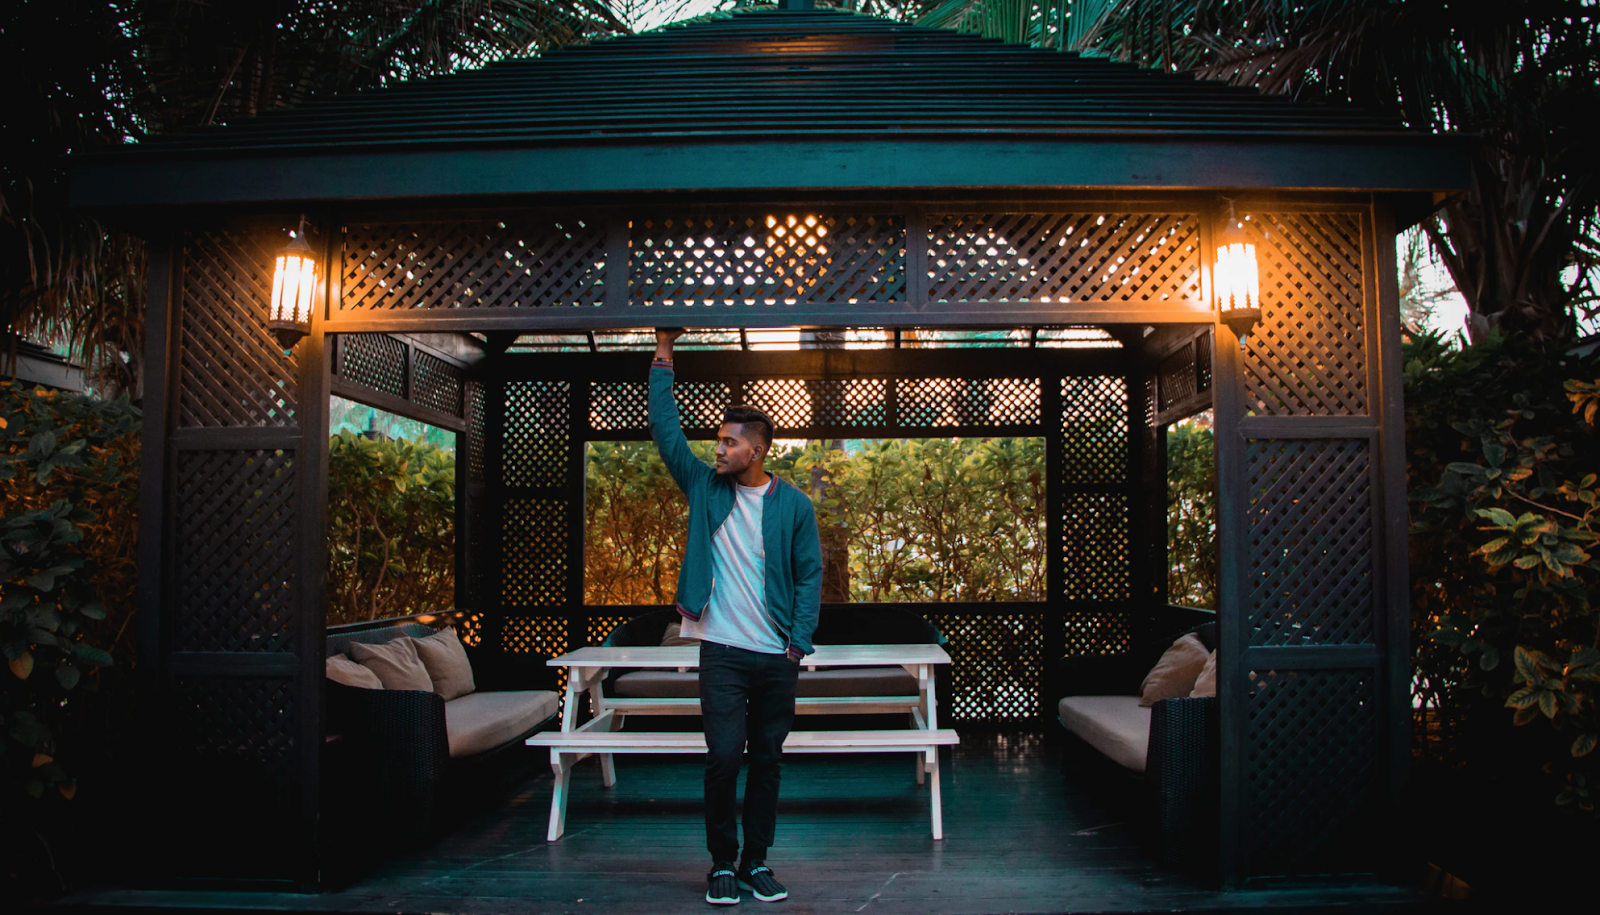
(1237, 278)
(293, 281)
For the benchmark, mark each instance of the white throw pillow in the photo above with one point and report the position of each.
(395, 662)
(446, 660)
(341, 669)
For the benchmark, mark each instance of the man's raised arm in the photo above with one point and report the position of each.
(666, 426)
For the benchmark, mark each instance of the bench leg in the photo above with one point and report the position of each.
(608, 768)
(562, 767)
(933, 795)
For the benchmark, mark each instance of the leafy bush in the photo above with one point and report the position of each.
(919, 520)
(1192, 516)
(1503, 458)
(391, 528)
(68, 497)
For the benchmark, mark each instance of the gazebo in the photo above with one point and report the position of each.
(487, 248)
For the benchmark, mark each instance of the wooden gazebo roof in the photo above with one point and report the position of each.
(765, 99)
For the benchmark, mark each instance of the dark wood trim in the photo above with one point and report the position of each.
(269, 438)
(1312, 657)
(1232, 574)
(1393, 584)
(820, 314)
(243, 664)
(822, 363)
(1307, 426)
(1183, 409)
(159, 396)
(399, 406)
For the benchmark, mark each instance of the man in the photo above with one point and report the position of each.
(750, 590)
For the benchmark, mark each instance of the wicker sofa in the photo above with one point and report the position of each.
(409, 746)
(1171, 746)
(838, 624)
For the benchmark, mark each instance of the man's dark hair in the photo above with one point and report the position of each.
(747, 416)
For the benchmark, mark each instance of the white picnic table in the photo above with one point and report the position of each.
(602, 736)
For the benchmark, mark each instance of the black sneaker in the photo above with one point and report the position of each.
(759, 881)
(722, 885)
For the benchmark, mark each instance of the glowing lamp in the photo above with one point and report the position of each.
(293, 281)
(1237, 279)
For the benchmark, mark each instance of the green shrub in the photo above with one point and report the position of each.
(391, 528)
(1192, 516)
(1502, 456)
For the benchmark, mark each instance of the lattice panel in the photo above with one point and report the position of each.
(849, 402)
(785, 400)
(1094, 426)
(1179, 377)
(231, 370)
(534, 553)
(244, 726)
(470, 629)
(528, 264)
(544, 635)
(935, 402)
(1096, 632)
(537, 433)
(1311, 541)
(377, 361)
(702, 403)
(619, 405)
(1310, 743)
(235, 551)
(600, 627)
(477, 430)
(1063, 257)
(437, 384)
(1307, 357)
(776, 259)
(1095, 548)
(996, 664)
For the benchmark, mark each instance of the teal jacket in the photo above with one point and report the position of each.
(788, 528)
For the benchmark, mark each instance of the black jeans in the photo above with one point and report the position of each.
(745, 696)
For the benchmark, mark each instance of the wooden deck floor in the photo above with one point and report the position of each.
(1022, 835)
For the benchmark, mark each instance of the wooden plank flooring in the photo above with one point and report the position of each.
(1022, 835)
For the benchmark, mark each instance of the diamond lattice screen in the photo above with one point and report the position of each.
(936, 402)
(231, 370)
(534, 564)
(996, 662)
(437, 384)
(477, 430)
(522, 264)
(1095, 632)
(1307, 356)
(536, 432)
(619, 405)
(1310, 561)
(234, 551)
(1095, 546)
(377, 361)
(1063, 257)
(766, 259)
(1094, 427)
(1311, 740)
(243, 727)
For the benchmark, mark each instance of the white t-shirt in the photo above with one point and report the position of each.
(737, 614)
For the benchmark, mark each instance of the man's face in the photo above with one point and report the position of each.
(735, 452)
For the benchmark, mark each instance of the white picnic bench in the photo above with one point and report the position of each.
(602, 735)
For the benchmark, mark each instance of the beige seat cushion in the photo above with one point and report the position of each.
(479, 722)
(395, 662)
(1117, 726)
(447, 664)
(1206, 684)
(1174, 675)
(341, 669)
(848, 681)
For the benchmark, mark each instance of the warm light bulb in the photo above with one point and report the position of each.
(1238, 278)
(294, 280)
